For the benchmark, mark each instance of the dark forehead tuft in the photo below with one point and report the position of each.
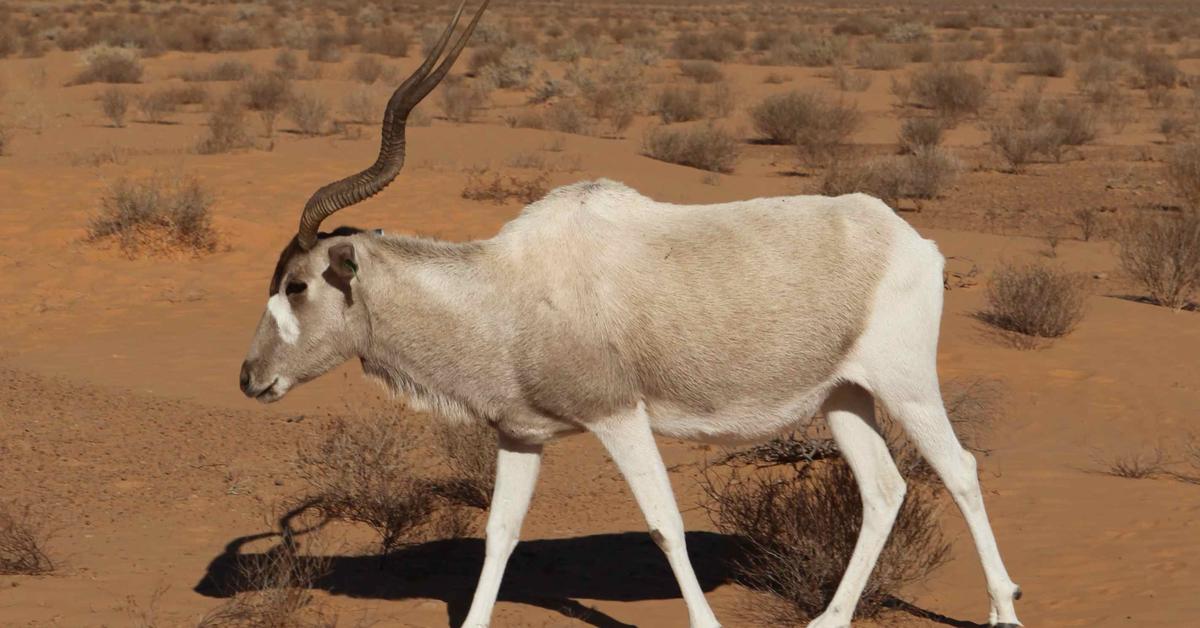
(293, 249)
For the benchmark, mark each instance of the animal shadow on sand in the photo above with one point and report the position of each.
(547, 573)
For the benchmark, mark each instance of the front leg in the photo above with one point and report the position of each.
(630, 443)
(516, 474)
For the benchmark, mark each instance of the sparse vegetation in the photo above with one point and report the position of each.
(918, 133)
(679, 104)
(109, 64)
(159, 213)
(484, 185)
(114, 102)
(922, 174)
(808, 120)
(950, 89)
(226, 127)
(226, 70)
(1162, 253)
(23, 539)
(1035, 301)
(461, 100)
(274, 593)
(706, 147)
(701, 71)
(310, 112)
(268, 94)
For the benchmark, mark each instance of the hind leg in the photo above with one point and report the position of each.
(850, 411)
(924, 419)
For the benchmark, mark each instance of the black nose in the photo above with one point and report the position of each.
(244, 378)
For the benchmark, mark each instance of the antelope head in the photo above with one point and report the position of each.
(313, 321)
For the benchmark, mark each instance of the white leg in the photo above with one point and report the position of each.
(851, 416)
(630, 443)
(516, 473)
(927, 425)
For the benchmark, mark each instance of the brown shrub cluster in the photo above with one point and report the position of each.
(157, 214)
(814, 124)
(1034, 301)
(23, 539)
(707, 147)
(1162, 253)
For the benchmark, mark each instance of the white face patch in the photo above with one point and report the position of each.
(285, 319)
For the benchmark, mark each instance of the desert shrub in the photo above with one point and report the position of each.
(226, 127)
(877, 56)
(1155, 68)
(923, 174)
(798, 518)
(567, 117)
(287, 64)
(156, 106)
(470, 452)
(547, 89)
(1039, 127)
(362, 107)
(227, 70)
(1034, 300)
(325, 47)
(694, 45)
(484, 185)
(705, 147)
(701, 71)
(808, 120)
(114, 102)
(23, 539)
(1183, 173)
(1041, 58)
(950, 89)
(800, 48)
(187, 95)
(368, 471)
(848, 81)
(862, 24)
(1175, 127)
(1099, 79)
(1162, 253)
(679, 104)
(157, 213)
(272, 592)
(309, 111)
(366, 69)
(267, 94)
(612, 91)
(512, 69)
(390, 41)
(109, 64)
(907, 33)
(917, 133)
(460, 100)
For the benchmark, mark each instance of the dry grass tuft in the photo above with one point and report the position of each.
(923, 174)
(268, 94)
(1138, 465)
(1034, 301)
(918, 133)
(484, 185)
(226, 127)
(798, 512)
(461, 100)
(701, 71)
(1183, 173)
(310, 112)
(274, 593)
(23, 538)
(157, 214)
(950, 89)
(817, 126)
(109, 64)
(706, 147)
(114, 103)
(1162, 252)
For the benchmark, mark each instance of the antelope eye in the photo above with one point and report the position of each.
(295, 287)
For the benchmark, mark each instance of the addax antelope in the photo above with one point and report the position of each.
(600, 310)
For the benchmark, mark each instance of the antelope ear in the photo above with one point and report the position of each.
(342, 262)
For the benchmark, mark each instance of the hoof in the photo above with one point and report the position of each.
(1006, 625)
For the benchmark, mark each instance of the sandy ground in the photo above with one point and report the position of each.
(121, 420)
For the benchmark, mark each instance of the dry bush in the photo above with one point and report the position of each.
(805, 48)
(679, 104)
(325, 47)
(157, 106)
(799, 518)
(227, 70)
(114, 102)
(470, 455)
(109, 64)
(156, 214)
(917, 133)
(705, 147)
(362, 107)
(862, 24)
(808, 120)
(461, 100)
(567, 117)
(1175, 127)
(366, 69)
(701, 71)
(923, 174)
(695, 45)
(268, 94)
(309, 111)
(512, 69)
(1038, 127)
(483, 185)
(1089, 220)
(1138, 465)
(1163, 254)
(848, 81)
(1034, 300)
(1099, 80)
(367, 471)
(1155, 68)
(23, 539)
(878, 56)
(950, 89)
(274, 593)
(1041, 58)
(391, 41)
(226, 127)
(776, 78)
(1183, 173)
(612, 91)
